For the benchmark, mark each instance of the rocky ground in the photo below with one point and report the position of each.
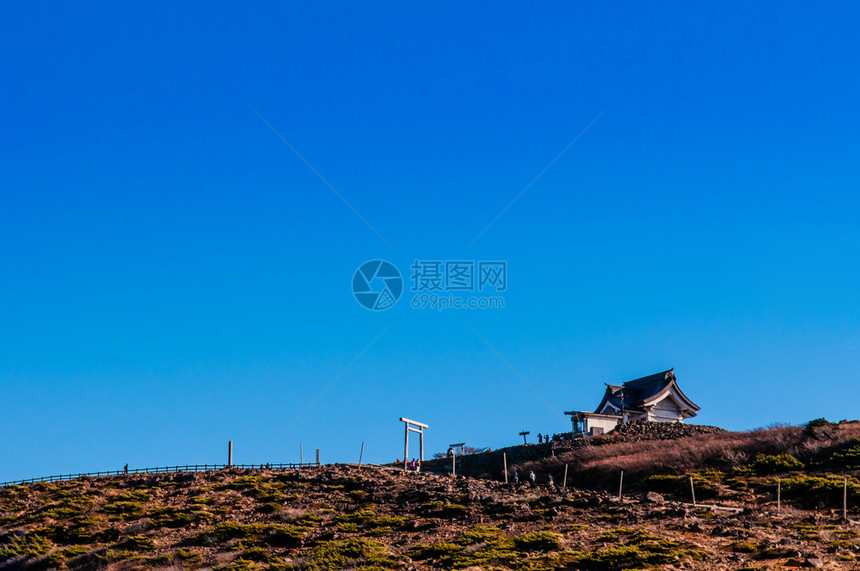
(340, 517)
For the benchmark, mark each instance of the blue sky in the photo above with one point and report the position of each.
(175, 277)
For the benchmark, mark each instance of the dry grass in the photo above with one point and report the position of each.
(596, 466)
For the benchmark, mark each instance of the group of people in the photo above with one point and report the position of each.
(533, 479)
(543, 439)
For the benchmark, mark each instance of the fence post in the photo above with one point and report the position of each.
(318, 456)
(693, 491)
(620, 484)
(845, 499)
(230, 453)
(454, 464)
(564, 485)
(360, 455)
(505, 463)
(778, 494)
(301, 454)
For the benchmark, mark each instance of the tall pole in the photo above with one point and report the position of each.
(406, 449)
(505, 463)
(360, 455)
(778, 494)
(693, 491)
(230, 453)
(845, 499)
(620, 484)
(301, 454)
(454, 464)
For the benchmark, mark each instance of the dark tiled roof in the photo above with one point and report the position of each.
(640, 392)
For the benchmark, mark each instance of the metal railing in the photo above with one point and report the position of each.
(160, 470)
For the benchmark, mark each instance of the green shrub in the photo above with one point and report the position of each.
(743, 547)
(435, 551)
(189, 556)
(270, 508)
(31, 545)
(358, 517)
(124, 509)
(637, 549)
(817, 423)
(353, 552)
(256, 554)
(820, 429)
(389, 521)
(621, 557)
(138, 543)
(284, 535)
(814, 491)
(775, 464)
(238, 565)
(479, 534)
(232, 529)
(347, 527)
(847, 458)
(539, 540)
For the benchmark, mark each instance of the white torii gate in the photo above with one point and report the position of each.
(420, 430)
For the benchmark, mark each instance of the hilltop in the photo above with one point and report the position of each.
(340, 517)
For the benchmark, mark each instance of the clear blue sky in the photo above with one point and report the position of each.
(174, 276)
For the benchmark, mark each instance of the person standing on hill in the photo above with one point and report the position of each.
(532, 477)
(516, 478)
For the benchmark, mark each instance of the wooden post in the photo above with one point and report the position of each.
(845, 499)
(505, 464)
(406, 450)
(318, 456)
(778, 494)
(693, 491)
(301, 454)
(620, 484)
(360, 455)
(564, 485)
(230, 453)
(454, 464)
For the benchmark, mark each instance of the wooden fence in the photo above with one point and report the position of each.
(160, 470)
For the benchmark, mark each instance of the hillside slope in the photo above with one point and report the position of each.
(337, 517)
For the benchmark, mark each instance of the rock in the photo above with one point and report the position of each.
(654, 498)
(813, 561)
